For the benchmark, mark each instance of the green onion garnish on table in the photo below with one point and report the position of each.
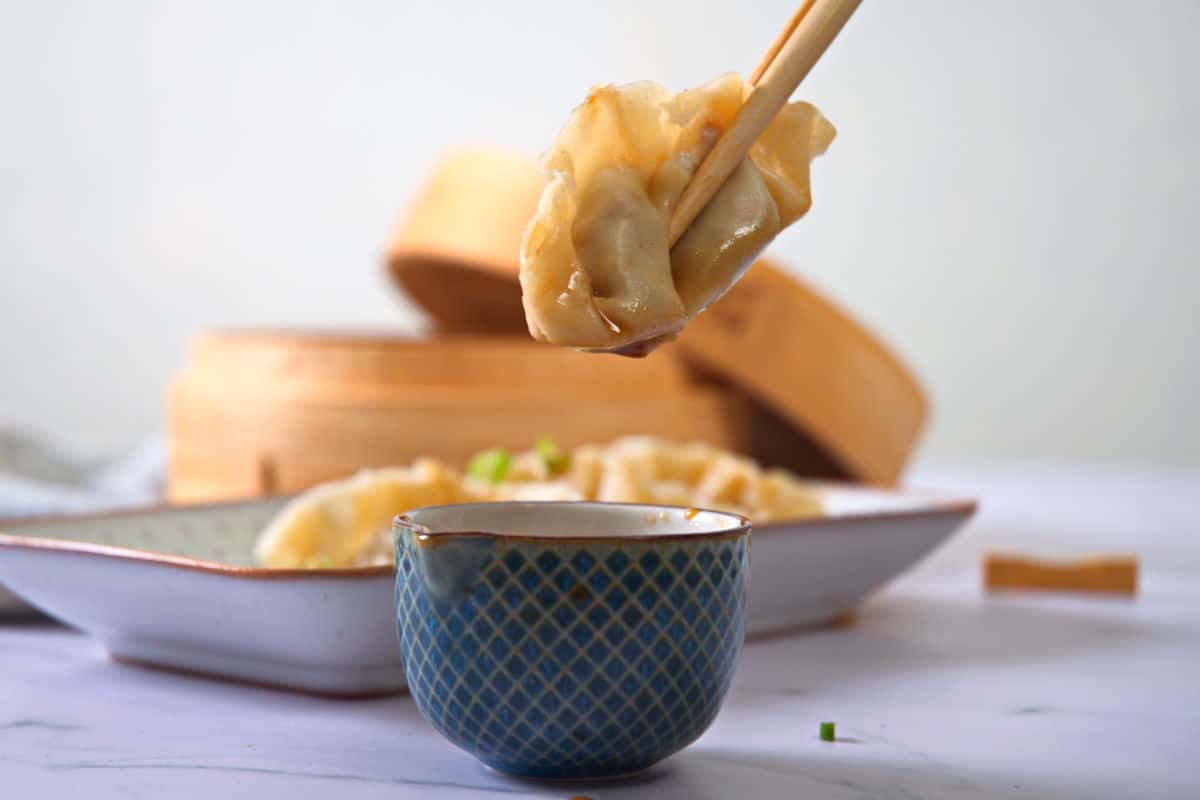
(828, 732)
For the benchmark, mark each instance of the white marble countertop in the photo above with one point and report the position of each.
(938, 690)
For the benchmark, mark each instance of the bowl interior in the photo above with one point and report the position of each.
(571, 520)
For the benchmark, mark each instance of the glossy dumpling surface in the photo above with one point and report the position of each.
(596, 268)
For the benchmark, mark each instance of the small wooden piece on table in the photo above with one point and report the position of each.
(1111, 574)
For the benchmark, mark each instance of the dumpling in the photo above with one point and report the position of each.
(596, 268)
(348, 522)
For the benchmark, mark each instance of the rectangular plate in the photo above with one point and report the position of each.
(177, 587)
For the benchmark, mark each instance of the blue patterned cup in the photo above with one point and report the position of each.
(570, 640)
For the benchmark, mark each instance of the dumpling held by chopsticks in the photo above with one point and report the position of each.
(597, 271)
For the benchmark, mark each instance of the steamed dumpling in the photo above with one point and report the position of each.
(596, 268)
(348, 522)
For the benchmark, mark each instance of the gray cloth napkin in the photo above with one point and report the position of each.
(36, 480)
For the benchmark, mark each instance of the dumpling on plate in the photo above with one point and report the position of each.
(348, 522)
(597, 271)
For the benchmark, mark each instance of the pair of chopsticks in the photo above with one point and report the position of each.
(788, 60)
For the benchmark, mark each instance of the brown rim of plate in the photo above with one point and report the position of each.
(948, 506)
(742, 527)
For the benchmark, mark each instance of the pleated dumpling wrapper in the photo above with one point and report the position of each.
(596, 269)
(347, 523)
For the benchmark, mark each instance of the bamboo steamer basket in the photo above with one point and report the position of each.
(828, 397)
(260, 413)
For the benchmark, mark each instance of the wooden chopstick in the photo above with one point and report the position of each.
(817, 22)
(779, 42)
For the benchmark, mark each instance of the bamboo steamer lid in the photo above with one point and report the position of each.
(792, 348)
(840, 402)
(454, 251)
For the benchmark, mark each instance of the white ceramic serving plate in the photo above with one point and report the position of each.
(177, 587)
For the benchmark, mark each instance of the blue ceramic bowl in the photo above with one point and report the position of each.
(570, 640)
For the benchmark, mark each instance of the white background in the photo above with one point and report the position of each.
(1012, 199)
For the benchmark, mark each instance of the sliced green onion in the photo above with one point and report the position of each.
(552, 455)
(828, 732)
(490, 465)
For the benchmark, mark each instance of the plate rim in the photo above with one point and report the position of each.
(941, 504)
